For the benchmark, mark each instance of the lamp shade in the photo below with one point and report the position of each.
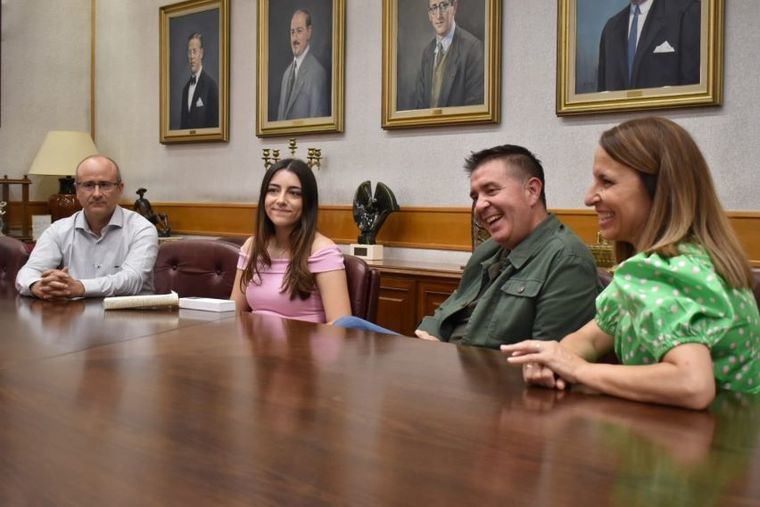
(61, 151)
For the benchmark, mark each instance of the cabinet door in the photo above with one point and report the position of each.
(431, 293)
(396, 306)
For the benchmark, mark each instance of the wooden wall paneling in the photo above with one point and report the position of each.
(444, 228)
(395, 307)
(747, 227)
(14, 213)
(212, 219)
(431, 293)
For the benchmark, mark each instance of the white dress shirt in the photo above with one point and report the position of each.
(191, 89)
(116, 263)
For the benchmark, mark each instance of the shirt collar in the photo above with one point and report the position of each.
(299, 59)
(446, 39)
(117, 220)
(643, 7)
(535, 241)
(198, 74)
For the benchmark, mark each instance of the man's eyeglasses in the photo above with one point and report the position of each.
(440, 6)
(105, 186)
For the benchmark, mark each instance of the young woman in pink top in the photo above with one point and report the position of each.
(288, 269)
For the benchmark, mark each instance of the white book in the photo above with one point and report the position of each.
(207, 304)
(145, 301)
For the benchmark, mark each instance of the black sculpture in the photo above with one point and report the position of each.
(3, 204)
(371, 211)
(160, 220)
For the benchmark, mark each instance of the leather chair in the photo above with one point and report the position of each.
(756, 272)
(196, 267)
(237, 240)
(605, 277)
(13, 256)
(363, 287)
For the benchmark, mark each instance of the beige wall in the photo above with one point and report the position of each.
(45, 73)
(45, 79)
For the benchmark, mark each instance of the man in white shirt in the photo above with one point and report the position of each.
(102, 250)
(304, 92)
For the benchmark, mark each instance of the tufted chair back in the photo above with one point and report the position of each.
(13, 256)
(363, 287)
(196, 267)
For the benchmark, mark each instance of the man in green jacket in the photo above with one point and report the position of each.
(533, 279)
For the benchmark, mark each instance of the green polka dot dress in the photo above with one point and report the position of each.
(655, 303)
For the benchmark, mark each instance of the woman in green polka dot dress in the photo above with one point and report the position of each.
(679, 312)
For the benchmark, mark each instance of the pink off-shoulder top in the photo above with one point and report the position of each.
(268, 297)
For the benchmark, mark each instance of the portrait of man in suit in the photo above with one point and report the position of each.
(451, 67)
(650, 44)
(304, 91)
(200, 96)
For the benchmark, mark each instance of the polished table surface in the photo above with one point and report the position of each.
(191, 408)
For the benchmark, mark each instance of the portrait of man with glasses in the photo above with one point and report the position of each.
(101, 250)
(450, 71)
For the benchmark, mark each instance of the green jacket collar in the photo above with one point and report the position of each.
(536, 240)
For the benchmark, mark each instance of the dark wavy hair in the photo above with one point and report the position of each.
(298, 280)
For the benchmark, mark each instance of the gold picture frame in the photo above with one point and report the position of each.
(468, 97)
(200, 27)
(667, 72)
(314, 101)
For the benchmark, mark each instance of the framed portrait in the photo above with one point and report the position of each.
(300, 67)
(441, 62)
(195, 71)
(619, 55)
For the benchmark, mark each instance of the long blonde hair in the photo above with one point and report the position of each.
(685, 206)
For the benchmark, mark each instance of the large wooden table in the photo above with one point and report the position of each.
(188, 408)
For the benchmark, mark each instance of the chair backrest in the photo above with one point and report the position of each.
(756, 272)
(605, 277)
(13, 256)
(363, 287)
(196, 267)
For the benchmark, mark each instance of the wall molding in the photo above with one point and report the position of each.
(436, 228)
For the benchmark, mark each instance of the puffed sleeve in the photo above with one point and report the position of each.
(242, 259)
(660, 303)
(326, 259)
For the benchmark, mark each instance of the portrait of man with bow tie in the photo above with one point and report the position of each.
(200, 95)
(195, 71)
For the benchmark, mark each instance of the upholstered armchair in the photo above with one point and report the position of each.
(13, 256)
(196, 267)
(363, 288)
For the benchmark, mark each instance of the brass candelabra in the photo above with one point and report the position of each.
(271, 156)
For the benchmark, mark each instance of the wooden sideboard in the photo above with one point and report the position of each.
(411, 290)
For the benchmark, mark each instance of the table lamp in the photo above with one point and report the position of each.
(59, 155)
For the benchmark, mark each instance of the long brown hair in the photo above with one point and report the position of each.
(685, 206)
(298, 280)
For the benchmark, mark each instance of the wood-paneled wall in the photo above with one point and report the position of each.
(412, 227)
